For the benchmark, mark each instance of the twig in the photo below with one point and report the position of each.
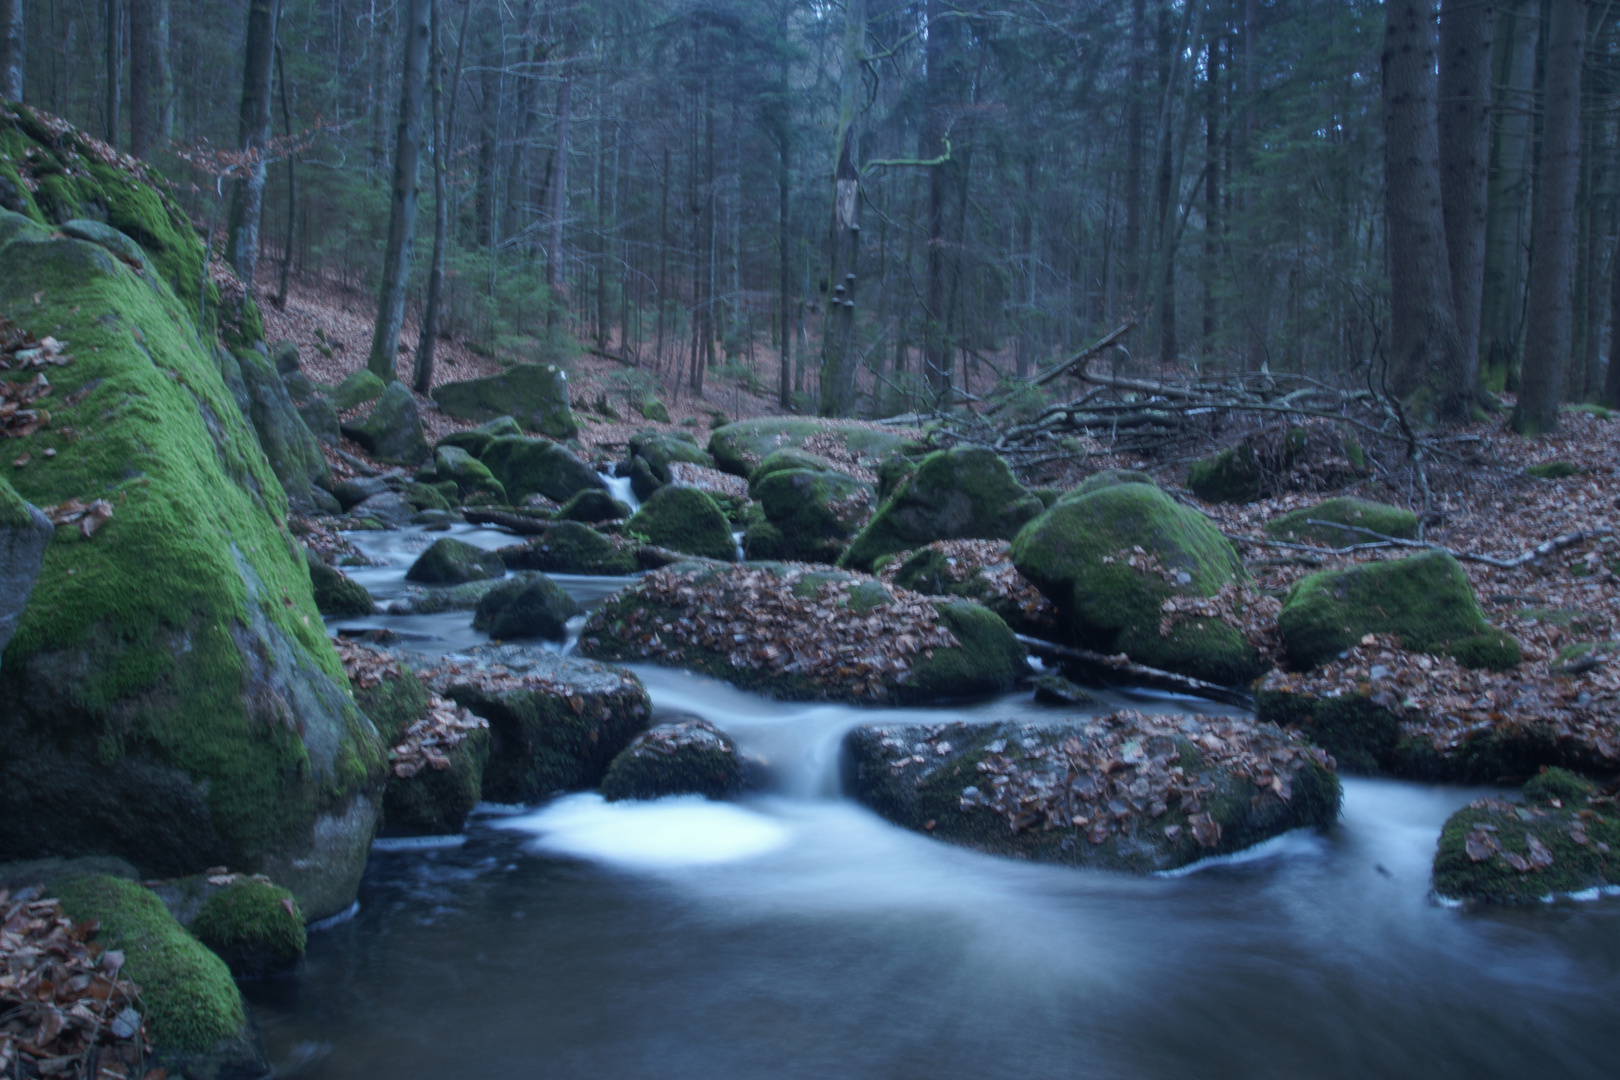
(1140, 673)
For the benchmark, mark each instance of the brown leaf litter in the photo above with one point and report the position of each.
(428, 739)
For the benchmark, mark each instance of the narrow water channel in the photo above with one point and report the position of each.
(795, 934)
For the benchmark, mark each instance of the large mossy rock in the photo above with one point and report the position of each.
(569, 547)
(356, 389)
(1126, 791)
(469, 475)
(170, 695)
(538, 467)
(738, 448)
(815, 511)
(1109, 560)
(530, 605)
(963, 493)
(475, 440)
(1315, 455)
(252, 925)
(1425, 600)
(689, 757)
(24, 533)
(535, 395)
(449, 561)
(687, 520)
(653, 452)
(979, 570)
(1357, 513)
(555, 722)
(336, 593)
(294, 454)
(392, 431)
(593, 505)
(796, 633)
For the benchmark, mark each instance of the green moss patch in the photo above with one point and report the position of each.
(569, 547)
(815, 511)
(687, 520)
(356, 389)
(1359, 513)
(449, 561)
(1552, 470)
(691, 757)
(253, 926)
(1515, 853)
(538, 467)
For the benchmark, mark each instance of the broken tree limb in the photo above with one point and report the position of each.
(1379, 541)
(521, 524)
(1085, 357)
(1122, 666)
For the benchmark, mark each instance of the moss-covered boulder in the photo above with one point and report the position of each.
(1111, 559)
(816, 511)
(1312, 456)
(320, 416)
(534, 395)
(1107, 478)
(1358, 513)
(555, 722)
(435, 599)
(475, 440)
(1425, 600)
(687, 520)
(449, 561)
(170, 695)
(653, 409)
(356, 389)
(1551, 470)
(529, 605)
(782, 460)
(653, 452)
(392, 431)
(252, 925)
(796, 633)
(1559, 840)
(538, 467)
(193, 1011)
(336, 593)
(452, 464)
(569, 547)
(1126, 791)
(689, 757)
(356, 490)
(437, 801)
(593, 505)
(963, 493)
(289, 445)
(979, 570)
(24, 533)
(738, 448)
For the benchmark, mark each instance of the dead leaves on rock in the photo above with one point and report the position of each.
(688, 474)
(88, 516)
(428, 740)
(20, 351)
(65, 1006)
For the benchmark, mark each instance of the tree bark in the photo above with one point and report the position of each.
(489, 117)
(443, 132)
(13, 50)
(292, 185)
(1466, 28)
(943, 31)
(1133, 153)
(1611, 377)
(114, 70)
(1212, 191)
(1425, 362)
(555, 287)
(140, 78)
(163, 66)
(1547, 330)
(784, 176)
(843, 233)
(247, 197)
(403, 198)
(1507, 214)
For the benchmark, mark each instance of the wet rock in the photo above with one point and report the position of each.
(1126, 791)
(653, 452)
(1056, 690)
(476, 440)
(592, 506)
(24, 534)
(814, 511)
(357, 389)
(687, 520)
(964, 493)
(538, 466)
(531, 605)
(569, 547)
(253, 925)
(555, 722)
(534, 395)
(690, 757)
(431, 601)
(1360, 513)
(980, 570)
(337, 594)
(392, 431)
(1425, 600)
(453, 562)
(797, 633)
(1111, 559)
(389, 509)
(849, 444)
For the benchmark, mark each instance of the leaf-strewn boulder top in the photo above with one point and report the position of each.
(170, 695)
(979, 570)
(535, 395)
(848, 444)
(963, 493)
(690, 757)
(1126, 791)
(1425, 600)
(796, 632)
(653, 452)
(1111, 560)
(1359, 513)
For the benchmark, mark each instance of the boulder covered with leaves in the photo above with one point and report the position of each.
(1125, 791)
(794, 632)
(980, 570)
(688, 757)
(1127, 568)
(1317, 455)
(534, 395)
(569, 547)
(687, 520)
(848, 444)
(528, 467)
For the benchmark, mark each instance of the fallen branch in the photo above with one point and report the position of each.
(1121, 665)
(1380, 541)
(1083, 358)
(521, 524)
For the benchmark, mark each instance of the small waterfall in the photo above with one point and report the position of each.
(619, 487)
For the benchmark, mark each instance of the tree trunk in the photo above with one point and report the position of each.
(402, 203)
(1212, 191)
(489, 116)
(843, 233)
(784, 177)
(1547, 331)
(426, 342)
(1507, 214)
(517, 169)
(140, 78)
(943, 31)
(292, 184)
(1132, 255)
(1465, 141)
(247, 198)
(163, 67)
(13, 50)
(114, 70)
(555, 287)
(1611, 377)
(1425, 363)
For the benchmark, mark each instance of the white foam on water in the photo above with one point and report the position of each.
(334, 920)
(619, 487)
(417, 843)
(1297, 843)
(686, 830)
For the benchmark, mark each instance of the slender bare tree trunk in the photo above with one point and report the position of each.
(247, 198)
(784, 177)
(114, 70)
(163, 64)
(443, 129)
(292, 184)
(555, 276)
(1507, 216)
(140, 77)
(843, 233)
(1548, 330)
(402, 209)
(1466, 28)
(1611, 377)
(13, 50)
(1132, 255)
(943, 31)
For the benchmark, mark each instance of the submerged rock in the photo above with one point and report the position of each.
(531, 605)
(690, 757)
(534, 395)
(687, 520)
(1126, 791)
(24, 532)
(454, 562)
(569, 547)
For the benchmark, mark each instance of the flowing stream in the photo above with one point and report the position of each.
(795, 934)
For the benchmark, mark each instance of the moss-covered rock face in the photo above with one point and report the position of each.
(1425, 600)
(739, 447)
(535, 395)
(653, 452)
(193, 1010)
(1122, 792)
(1108, 478)
(784, 459)
(476, 439)
(653, 409)
(802, 634)
(253, 926)
(592, 506)
(452, 464)
(336, 593)
(453, 562)
(569, 547)
(1359, 513)
(294, 455)
(966, 492)
(687, 520)
(1557, 786)
(170, 695)
(392, 431)
(1232, 476)
(691, 757)
(1109, 560)
(530, 605)
(538, 467)
(24, 533)
(815, 511)
(555, 722)
(1501, 852)
(357, 389)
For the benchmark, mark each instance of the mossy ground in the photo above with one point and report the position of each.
(253, 926)
(1361, 513)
